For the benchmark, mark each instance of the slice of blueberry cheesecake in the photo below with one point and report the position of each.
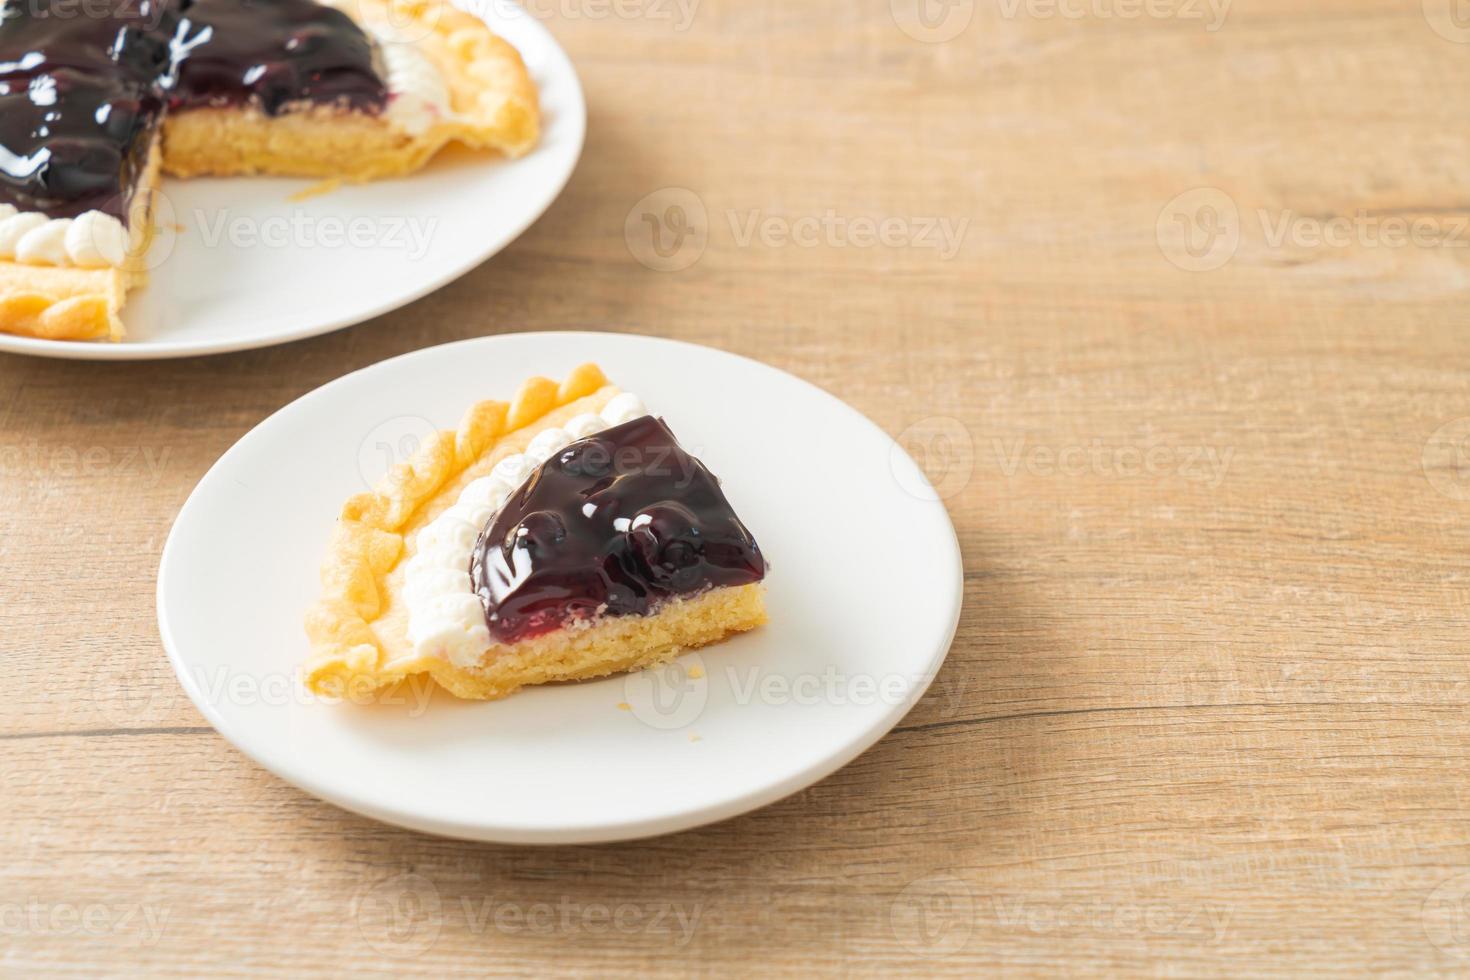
(564, 536)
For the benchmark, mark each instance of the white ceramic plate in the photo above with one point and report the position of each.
(239, 265)
(864, 595)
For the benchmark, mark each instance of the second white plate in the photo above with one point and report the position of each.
(238, 264)
(864, 595)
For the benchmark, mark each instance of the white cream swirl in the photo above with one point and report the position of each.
(417, 94)
(92, 240)
(445, 616)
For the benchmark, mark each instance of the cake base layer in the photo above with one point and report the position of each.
(316, 143)
(611, 645)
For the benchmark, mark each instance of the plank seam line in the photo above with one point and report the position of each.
(1026, 715)
(107, 732)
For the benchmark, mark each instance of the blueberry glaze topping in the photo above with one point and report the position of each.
(79, 100)
(275, 53)
(615, 523)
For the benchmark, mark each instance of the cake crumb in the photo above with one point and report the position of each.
(316, 190)
(696, 672)
(694, 738)
(624, 706)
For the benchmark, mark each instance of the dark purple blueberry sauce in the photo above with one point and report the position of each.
(275, 53)
(79, 101)
(84, 84)
(614, 523)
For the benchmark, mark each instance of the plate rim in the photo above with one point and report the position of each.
(569, 833)
(159, 350)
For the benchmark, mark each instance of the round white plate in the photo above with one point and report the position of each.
(864, 595)
(238, 264)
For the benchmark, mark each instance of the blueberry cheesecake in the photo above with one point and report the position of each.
(98, 98)
(562, 536)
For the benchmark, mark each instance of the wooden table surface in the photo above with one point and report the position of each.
(1170, 298)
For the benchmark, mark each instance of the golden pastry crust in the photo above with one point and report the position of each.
(493, 102)
(61, 303)
(493, 97)
(358, 630)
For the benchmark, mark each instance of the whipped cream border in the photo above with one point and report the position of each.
(445, 617)
(418, 96)
(92, 240)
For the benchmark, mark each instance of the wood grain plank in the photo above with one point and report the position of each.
(1206, 710)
